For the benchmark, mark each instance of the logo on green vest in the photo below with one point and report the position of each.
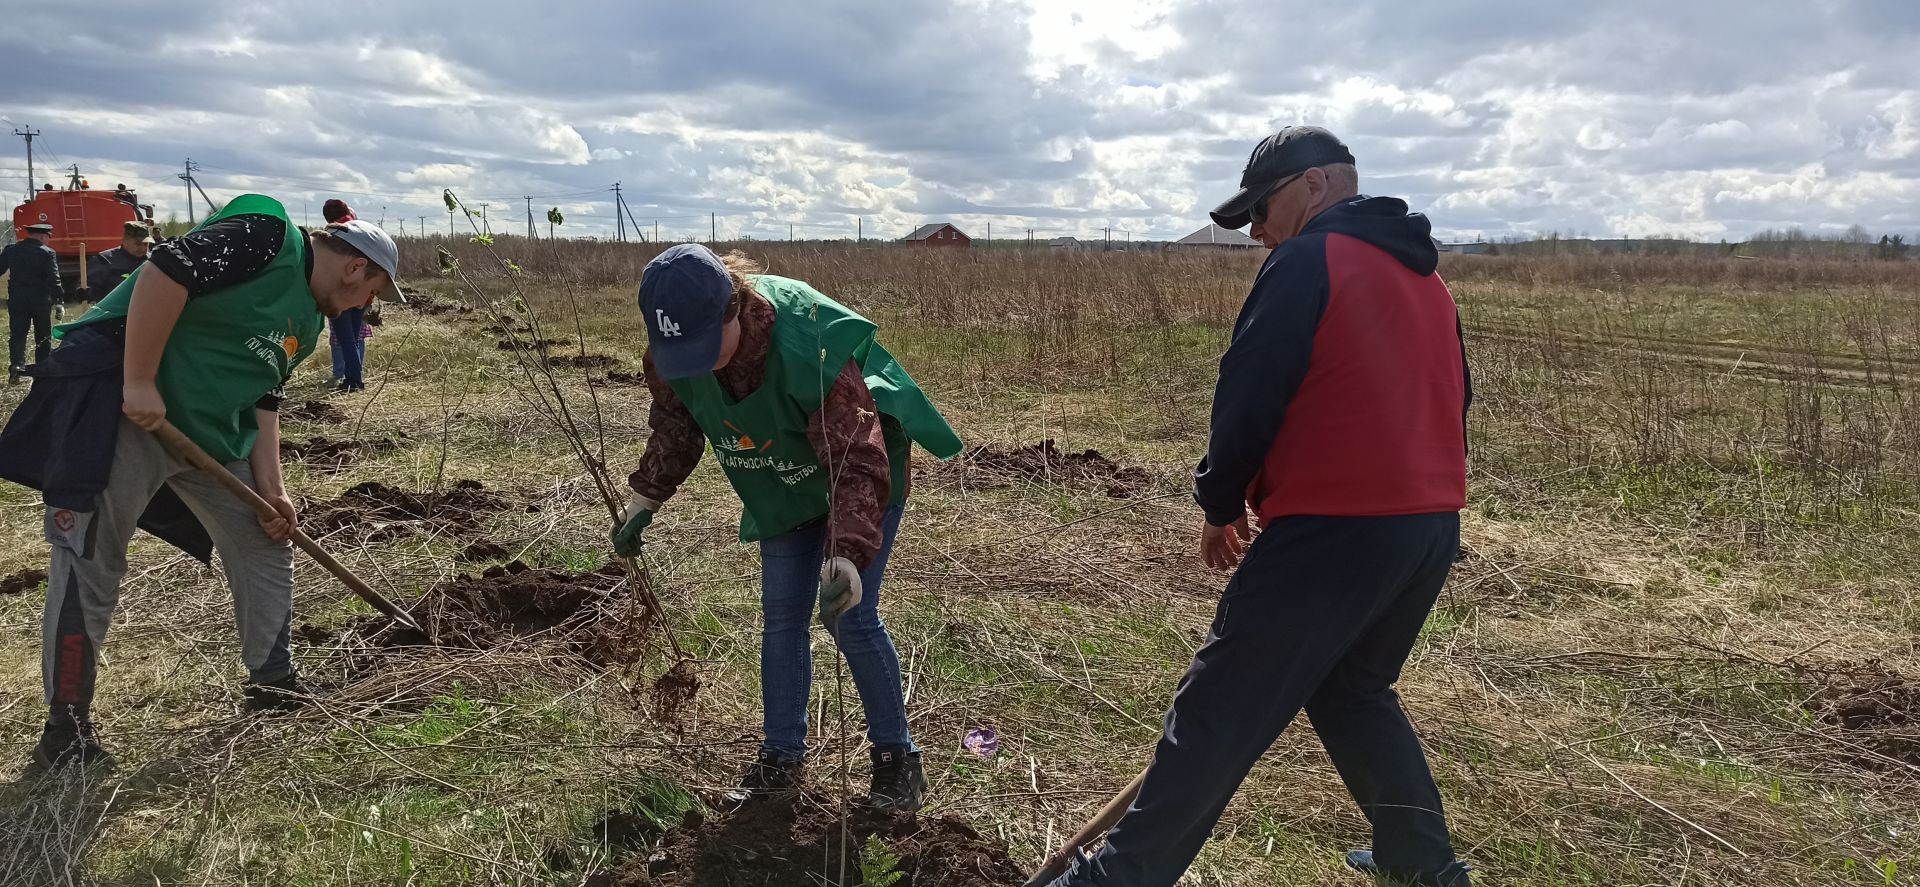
(741, 451)
(274, 347)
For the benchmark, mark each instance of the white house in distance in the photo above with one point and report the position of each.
(1215, 237)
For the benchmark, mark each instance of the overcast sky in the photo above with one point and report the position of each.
(1709, 118)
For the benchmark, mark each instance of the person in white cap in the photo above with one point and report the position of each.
(33, 288)
(203, 335)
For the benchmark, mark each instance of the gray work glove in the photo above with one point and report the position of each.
(633, 522)
(839, 592)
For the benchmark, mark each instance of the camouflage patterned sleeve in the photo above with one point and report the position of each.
(847, 439)
(673, 448)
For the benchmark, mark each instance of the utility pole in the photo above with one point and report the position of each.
(188, 178)
(484, 224)
(713, 229)
(620, 221)
(29, 135)
(789, 232)
(423, 226)
(193, 185)
(859, 228)
(383, 217)
(450, 231)
(989, 235)
(532, 233)
(656, 230)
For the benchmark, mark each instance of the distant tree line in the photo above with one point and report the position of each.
(1855, 242)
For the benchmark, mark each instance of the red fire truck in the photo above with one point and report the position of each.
(85, 221)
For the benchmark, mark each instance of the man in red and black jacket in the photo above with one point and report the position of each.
(1340, 420)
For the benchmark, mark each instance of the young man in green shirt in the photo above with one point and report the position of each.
(812, 421)
(203, 336)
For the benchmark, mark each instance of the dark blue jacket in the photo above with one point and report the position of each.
(107, 269)
(61, 438)
(33, 280)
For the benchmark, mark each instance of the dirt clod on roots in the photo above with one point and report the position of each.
(673, 692)
(387, 513)
(1046, 462)
(797, 841)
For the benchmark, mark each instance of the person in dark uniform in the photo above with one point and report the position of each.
(33, 286)
(109, 267)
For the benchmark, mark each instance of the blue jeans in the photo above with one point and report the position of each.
(349, 346)
(789, 598)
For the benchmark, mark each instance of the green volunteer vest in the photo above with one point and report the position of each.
(232, 346)
(761, 441)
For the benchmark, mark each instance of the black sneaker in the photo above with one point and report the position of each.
(898, 782)
(769, 775)
(285, 694)
(69, 744)
(1454, 875)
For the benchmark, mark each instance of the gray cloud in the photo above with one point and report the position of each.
(1496, 116)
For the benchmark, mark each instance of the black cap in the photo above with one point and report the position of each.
(1292, 150)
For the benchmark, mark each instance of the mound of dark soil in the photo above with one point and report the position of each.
(325, 451)
(1046, 462)
(23, 581)
(485, 550)
(389, 513)
(514, 602)
(1876, 709)
(317, 412)
(581, 361)
(796, 841)
(433, 307)
(622, 377)
(532, 344)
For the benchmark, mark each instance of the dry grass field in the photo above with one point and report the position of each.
(1679, 646)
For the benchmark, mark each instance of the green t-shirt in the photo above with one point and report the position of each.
(231, 346)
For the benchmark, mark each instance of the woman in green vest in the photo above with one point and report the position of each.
(813, 423)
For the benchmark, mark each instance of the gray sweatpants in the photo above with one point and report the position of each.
(90, 559)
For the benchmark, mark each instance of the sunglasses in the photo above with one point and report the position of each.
(1259, 210)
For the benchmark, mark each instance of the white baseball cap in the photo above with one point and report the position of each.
(372, 241)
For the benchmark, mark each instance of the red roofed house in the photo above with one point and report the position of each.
(940, 234)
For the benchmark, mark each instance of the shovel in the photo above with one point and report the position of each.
(1100, 824)
(190, 452)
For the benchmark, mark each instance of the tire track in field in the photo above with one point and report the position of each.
(1757, 361)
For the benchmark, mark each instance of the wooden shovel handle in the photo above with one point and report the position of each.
(1100, 824)
(190, 452)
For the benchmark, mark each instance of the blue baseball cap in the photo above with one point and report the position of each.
(683, 296)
